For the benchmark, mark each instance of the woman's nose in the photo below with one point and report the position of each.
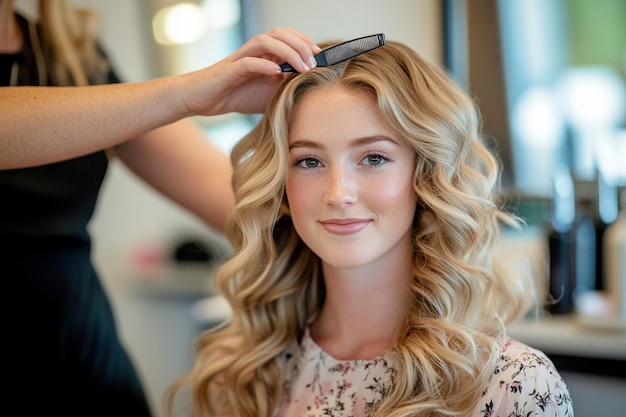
(340, 188)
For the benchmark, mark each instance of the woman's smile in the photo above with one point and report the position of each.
(345, 226)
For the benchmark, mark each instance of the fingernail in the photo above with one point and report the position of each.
(313, 62)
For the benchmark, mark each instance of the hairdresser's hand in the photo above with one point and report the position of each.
(245, 81)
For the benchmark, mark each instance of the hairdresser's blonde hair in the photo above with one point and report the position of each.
(446, 353)
(69, 40)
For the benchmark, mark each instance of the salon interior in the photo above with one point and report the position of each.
(550, 79)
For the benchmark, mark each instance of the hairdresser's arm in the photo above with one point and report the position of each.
(179, 161)
(41, 125)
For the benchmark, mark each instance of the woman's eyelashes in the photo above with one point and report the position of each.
(307, 162)
(373, 159)
(376, 159)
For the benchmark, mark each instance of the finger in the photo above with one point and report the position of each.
(299, 42)
(248, 66)
(314, 48)
(281, 45)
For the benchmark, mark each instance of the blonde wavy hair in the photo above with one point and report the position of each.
(69, 37)
(446, 351)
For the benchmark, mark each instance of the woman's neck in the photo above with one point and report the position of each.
(363, 312)
(11, 37)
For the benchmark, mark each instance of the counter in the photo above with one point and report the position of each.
(560, 336)
(574, 344)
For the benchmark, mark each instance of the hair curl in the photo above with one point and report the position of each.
(70, 38)
(444, 354)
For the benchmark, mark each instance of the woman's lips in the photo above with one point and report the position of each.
(345, 226)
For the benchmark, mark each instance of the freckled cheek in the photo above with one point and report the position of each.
(300, 195)
(303, 204)
(391, 196)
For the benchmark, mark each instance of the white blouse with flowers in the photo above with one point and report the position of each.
(525, 383)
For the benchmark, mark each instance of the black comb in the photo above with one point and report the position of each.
(344, 51)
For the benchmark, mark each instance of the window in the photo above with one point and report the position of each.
(196, 35)
(549, 77)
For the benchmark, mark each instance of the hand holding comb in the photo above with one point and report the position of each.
(344, 51)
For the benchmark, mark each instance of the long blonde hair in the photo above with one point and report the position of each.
(445, 354)
(69, 38)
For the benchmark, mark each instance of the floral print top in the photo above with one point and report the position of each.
(525, 383)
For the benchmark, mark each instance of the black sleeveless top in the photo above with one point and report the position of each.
(63, 354)
(55, 200)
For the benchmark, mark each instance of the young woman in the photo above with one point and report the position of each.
(57, 131)
(364, 281)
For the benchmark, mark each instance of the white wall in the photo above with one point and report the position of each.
(415, 22)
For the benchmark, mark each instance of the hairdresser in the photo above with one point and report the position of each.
(58, 131)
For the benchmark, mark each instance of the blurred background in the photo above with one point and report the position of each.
(548, 75)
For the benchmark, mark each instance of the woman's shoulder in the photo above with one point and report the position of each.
(519, 361)
(524, 382)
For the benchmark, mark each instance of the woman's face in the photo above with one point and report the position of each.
(350, 180)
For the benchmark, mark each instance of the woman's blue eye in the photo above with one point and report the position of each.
(374, 160)
(308, 163)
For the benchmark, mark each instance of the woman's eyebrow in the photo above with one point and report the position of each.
(305, 144)
(366, 140)
(374, 139)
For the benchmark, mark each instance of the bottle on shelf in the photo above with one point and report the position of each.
(561, 243)
(614, 262)
(585, 245)
(605, 213)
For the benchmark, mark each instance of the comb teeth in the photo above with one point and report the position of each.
(355, 47)
(344, 51)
